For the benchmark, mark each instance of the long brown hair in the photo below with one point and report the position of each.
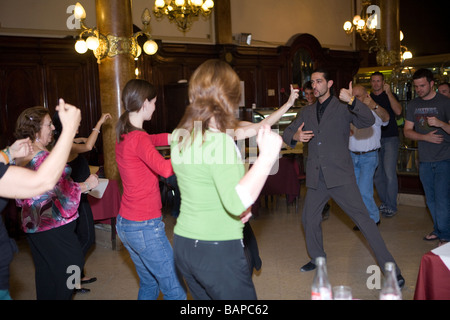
(29, 122)
(214, 91)
(134, 94)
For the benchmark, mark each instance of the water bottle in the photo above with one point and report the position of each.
(321, 287)
(390, 289)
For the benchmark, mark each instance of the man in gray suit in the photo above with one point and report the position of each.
(325, 125)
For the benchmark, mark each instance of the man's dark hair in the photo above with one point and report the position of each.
(377, 73)
(444, 84)
(423, 73)
(307, 85)
(326, 74)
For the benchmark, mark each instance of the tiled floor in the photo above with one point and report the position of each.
(282, 249)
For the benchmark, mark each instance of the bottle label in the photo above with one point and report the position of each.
(322, 294)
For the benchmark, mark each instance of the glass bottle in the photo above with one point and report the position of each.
(321, 287)
(390, 289)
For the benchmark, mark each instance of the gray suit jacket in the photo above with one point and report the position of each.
(328, 149)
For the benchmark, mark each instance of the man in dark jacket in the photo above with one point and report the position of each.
(325, 125)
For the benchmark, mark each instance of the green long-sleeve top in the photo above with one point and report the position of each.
(207, 175)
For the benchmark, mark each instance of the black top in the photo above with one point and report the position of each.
(391, 130)
(321, 108)
(80, 169)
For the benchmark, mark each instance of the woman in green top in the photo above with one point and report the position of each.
(215, 193)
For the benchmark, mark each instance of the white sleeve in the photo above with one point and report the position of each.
(244, 195)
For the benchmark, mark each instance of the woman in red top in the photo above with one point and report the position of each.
(139, 223)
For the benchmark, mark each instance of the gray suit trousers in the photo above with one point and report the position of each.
(348, 197)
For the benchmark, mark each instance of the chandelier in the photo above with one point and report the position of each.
(365, 24)
(182, 12)
(109, 46)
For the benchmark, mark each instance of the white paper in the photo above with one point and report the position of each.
(98, 191)
(444, 253)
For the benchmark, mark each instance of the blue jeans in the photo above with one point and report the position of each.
(435, 178)
(365, 166)
(152, 254)
(385, 178)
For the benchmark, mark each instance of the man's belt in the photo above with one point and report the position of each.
(364, 152)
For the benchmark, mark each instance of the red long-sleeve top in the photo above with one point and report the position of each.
(140, 166)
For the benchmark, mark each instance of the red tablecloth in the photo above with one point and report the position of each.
(106, 209)
(284, 182)
(433, 281)
(108, 205)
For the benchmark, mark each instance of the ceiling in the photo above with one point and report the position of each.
(426, 26)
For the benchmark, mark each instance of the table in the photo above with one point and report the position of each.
(284, 182)
(433, 280)
(106, 208)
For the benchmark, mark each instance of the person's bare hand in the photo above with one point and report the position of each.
(269, 143)
(387, 88)
(21, 148)
(346, 94)
(432, 137)
(303, 136)
(92, 180)
(246, 215)
(368, 101)
(104, 117)
(435, 122)
(70, 116)
(293, 96)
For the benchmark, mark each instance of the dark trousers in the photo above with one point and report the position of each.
(53, 252)
(7, 249)
(348, 197)
(85, 229)
(214, 270)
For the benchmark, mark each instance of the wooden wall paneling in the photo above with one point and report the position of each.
(74, 78)
(261, 67)
(286, 78)
(38, 71)
(163, 75)
(172, 62)
(269, 81)
(21, 87)
(70, 81)
(176, 101)
(249, 74)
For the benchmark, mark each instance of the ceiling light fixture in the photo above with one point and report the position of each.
(182, 12)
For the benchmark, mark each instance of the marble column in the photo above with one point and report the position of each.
(114, 19)
(389, 41)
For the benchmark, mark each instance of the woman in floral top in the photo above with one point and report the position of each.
(49, 219)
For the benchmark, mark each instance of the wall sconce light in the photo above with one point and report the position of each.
(405, 54)
(182, 12)
(110, 45)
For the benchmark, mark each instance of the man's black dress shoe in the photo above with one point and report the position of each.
(90, 280)
(308, 267)
(400, 281)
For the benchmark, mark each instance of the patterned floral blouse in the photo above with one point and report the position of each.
(54, 208)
